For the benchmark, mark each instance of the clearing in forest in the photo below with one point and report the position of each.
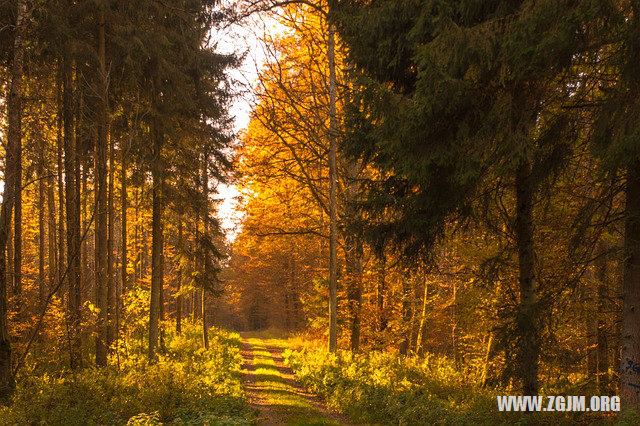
(273, 390)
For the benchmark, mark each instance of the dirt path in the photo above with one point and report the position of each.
(273, 390)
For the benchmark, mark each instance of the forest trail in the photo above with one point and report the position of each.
(273, 390)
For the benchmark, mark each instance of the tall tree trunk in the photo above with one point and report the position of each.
(179, 298)
(381, 288)
(630, 334)
(41, 222)
(602, 344)
(205, 252)
(72, 212)
(101, 200)
(333, 184)
(157, 245)
(111, 290)
(14, 143)
(403, 349)
(487, 359)
(61, 185)
(422, 328)
(353, 258)
(9, 274)
(52, 266)
(197, 295)
(353, 272)
(137, 270)
(205, 326)
(85, 270)
(17, 232)
(591, 322)
(529, 348)
(123, 218)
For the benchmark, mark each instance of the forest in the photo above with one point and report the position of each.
(296, 212)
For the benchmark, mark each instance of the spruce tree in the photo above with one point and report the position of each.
(454, 94)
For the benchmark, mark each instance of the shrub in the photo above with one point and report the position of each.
(384, 388)
(188, 385)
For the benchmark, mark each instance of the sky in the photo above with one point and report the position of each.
(242, 39)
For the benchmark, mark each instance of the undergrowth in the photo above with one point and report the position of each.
(384, 388)
(187, 386)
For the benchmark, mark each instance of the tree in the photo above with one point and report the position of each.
(452, 96)
(102, 278)
(11, 182)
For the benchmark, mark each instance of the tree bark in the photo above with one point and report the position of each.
(157, 245)
(179, 298)
(333, 184)
(205, 253)
(111, 290)
(422, 328)
(381, 288)
(353, 272)
(101, 201)
(630, 333)
(602, 343)
(61, 185)
(14, 143)
(407, 314)
(72, 211)
(17, 232)
(41, 225)
(529, 344)
(52, 259)
(123, 218)
(205, 326)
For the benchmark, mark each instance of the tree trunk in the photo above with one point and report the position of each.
(72, 211)
(179, 298)
(41, 222)
(111, 290)
(85, 270)
(101, 201)
(381, 288)
(353, 258)
(61, 186)
(602, 344)
(123, 218)
(591, 322)
(157, 245)
(14, 143)
(630, 335)
(52, 259)
(487, 359)
(406, 316)
(353, 272)
(529, 346)
(17, 232)
(205, 253)
(205, 326)
(422, 328)
(333, 183)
